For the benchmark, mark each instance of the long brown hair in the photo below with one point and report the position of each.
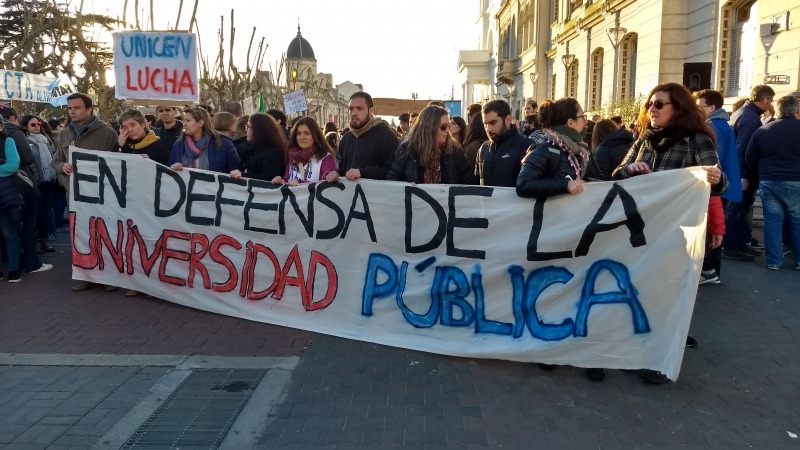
(265, 132)
(321, 147)
(602, 130)
(199, 114)
(423, 136)
(686, 113)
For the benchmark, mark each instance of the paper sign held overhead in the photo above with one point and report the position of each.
(295, 102)
(156, 66)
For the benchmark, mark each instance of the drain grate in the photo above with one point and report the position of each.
(199, 413)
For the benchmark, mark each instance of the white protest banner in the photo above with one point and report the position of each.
(151, 65)
(607, 278)
(30, 87)
(295, 102)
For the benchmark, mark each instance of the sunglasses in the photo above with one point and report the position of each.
(444, 126)
(33, 124)
(658, 104)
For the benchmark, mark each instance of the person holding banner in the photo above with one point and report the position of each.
(674, 135)
(310, 158)
(264, 157)
(201, 147)
(562, 164)
(137, 138)
(429, 154)
(368, 149)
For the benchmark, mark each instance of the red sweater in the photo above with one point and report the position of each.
(716, 217)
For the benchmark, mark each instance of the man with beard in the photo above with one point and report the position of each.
(367, 151)
(500, 158)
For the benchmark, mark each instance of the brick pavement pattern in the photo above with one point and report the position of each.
(740, 388)
(41, 314)
(67, 407)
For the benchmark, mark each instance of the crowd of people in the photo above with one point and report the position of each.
(556, 150)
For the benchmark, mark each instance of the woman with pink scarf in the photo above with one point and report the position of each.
(200, 147)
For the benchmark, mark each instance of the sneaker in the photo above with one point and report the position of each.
(754, 244)
(773, 267)
(15, 276)
(709, 277)
(596, 374)
(43, 268)
(737, 255)
(691, 342)
(752, 251)
(84, 286)
(653, 377)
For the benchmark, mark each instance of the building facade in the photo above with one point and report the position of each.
(604, 52)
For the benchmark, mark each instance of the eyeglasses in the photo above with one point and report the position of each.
(657, 103)
(33, 125)
(582, 116)
(444, 126)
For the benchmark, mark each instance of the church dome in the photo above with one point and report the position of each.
(299, 47)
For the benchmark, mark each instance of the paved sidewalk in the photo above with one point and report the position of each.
(740, 388)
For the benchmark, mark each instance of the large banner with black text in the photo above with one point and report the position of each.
(606, 278)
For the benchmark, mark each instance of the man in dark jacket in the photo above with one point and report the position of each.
(30, 208)
(500, 158)
(745, 121)
(367, 151)
(171, 128)
(772, 155)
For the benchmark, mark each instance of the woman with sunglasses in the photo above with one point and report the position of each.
(310, 158)
(429, 154)
(562, 163)
(201, 147)
(674, 135)
(264, 158)
(43, 150)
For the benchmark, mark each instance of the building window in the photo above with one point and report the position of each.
(627, 67)
(551, 80)
(596, 87)
(572, 80)
(554, 10)
(742, 26)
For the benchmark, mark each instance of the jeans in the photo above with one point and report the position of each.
(780, 199)
(47, 189)
(27, 235)
(9, 234)
(734, 225)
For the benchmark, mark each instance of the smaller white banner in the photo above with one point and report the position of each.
(30, 87)
(295, 102)
(156, 66)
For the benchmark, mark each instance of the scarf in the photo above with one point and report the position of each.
(79, 129)
(195, 154)
(44, 155)
(661, 139)
(298, 155)
(433, 174)
(577, 151)
(359, 131)
(149, 139)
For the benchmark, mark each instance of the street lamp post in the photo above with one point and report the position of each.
(615, 34)
(568, 58)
